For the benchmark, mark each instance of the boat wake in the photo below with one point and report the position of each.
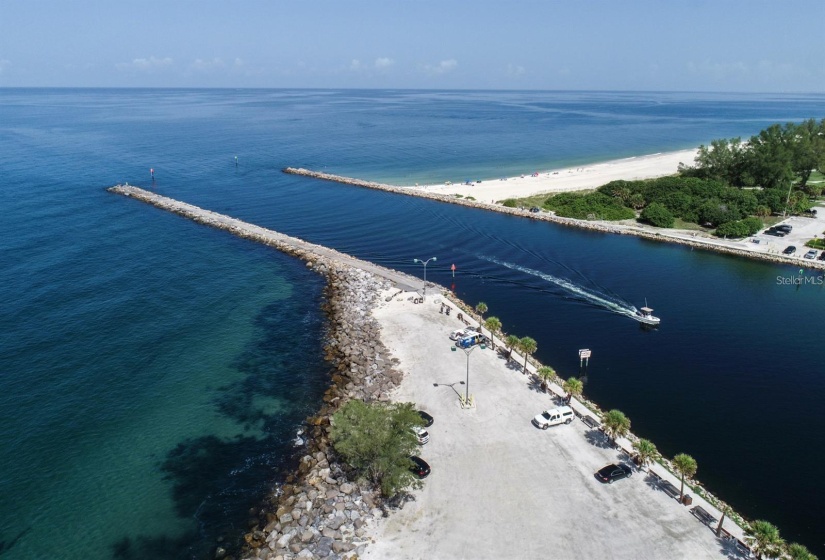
(606, 301)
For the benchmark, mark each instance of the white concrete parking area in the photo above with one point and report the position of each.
(501, 488)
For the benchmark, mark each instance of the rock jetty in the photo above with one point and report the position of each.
(319, 511)
(696, 243)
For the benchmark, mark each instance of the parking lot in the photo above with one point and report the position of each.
(804, 229)
(501, 488)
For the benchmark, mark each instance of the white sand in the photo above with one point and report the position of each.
(571, 179)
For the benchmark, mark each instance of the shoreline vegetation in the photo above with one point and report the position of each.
(682, 237)
(732, 189)
(318, 511)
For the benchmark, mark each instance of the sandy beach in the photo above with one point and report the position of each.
(569, 179)
(501, 488)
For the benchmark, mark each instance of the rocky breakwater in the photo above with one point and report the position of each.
(319, 511)
(717, 245)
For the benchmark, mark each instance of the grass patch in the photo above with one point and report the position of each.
(815, 244)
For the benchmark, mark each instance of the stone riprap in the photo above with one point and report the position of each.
(318, 512)
(661, 235)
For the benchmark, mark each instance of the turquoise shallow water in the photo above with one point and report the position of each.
(154, 371)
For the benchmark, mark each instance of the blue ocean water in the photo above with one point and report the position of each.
(154, 371)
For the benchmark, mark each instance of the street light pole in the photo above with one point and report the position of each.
(425, 270)
(469, 351)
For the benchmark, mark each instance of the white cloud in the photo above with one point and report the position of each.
(355, 65)
(201, 65)
(515, 70)
(442, 67)
(3, 63)
(383, 62)
(145, 64)
(720, 71)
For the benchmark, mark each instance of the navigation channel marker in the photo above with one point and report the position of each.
(584, 355)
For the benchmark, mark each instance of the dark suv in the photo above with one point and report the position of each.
(789, 250)
(784, 228)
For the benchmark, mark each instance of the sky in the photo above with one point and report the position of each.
(661, 45)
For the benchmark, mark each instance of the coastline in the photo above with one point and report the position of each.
(651, 166)
(317, 511)
(567, 179)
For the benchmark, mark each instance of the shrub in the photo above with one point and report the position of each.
(509, 203)
(588, 206)
(657, 215)
(739, 228)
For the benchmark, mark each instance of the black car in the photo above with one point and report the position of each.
(428, 420)
(789, 250)
(775, 232)
(784, 228)
(535, 209)
(613, 472)
(420, 467)
(821, 256)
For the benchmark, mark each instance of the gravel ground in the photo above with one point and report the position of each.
(500, 488)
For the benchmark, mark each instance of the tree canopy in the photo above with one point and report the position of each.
(376, 439)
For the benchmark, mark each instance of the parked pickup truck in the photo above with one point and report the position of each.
(554, 416)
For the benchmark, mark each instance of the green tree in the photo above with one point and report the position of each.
(376, 439)
(528, 346)
(546, 373)
(615, 424)
(657, 215)
(763, 538)
(739, 228)
(511, 342)
(481, 309)
(763, 211)
(723, 159)
(636, 201)
(686, 466)
(493, 325)
(645, 451)
(808, 148)
(771, 157)
(798, 552)
(573, 386)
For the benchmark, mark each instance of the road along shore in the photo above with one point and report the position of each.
(383, 345)
(763, 252)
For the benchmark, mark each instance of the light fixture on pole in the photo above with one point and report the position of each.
(425, 270)
(468, 351)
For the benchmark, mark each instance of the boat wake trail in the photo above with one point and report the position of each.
(609, 302)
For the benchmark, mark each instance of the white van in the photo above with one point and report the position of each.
(554, 416)
(421, 434)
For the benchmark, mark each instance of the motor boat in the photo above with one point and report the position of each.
(645, 315)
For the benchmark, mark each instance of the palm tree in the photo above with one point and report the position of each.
(763, 538)
(615, 424)
(528, 346)
(798, 552)
(686, 466)
(725, 510)
(493, 325)
(645, 452)
(512, 342)
(481, 309)
(573, 386)
(546, 373)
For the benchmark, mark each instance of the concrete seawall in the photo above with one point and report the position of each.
(661, 235)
